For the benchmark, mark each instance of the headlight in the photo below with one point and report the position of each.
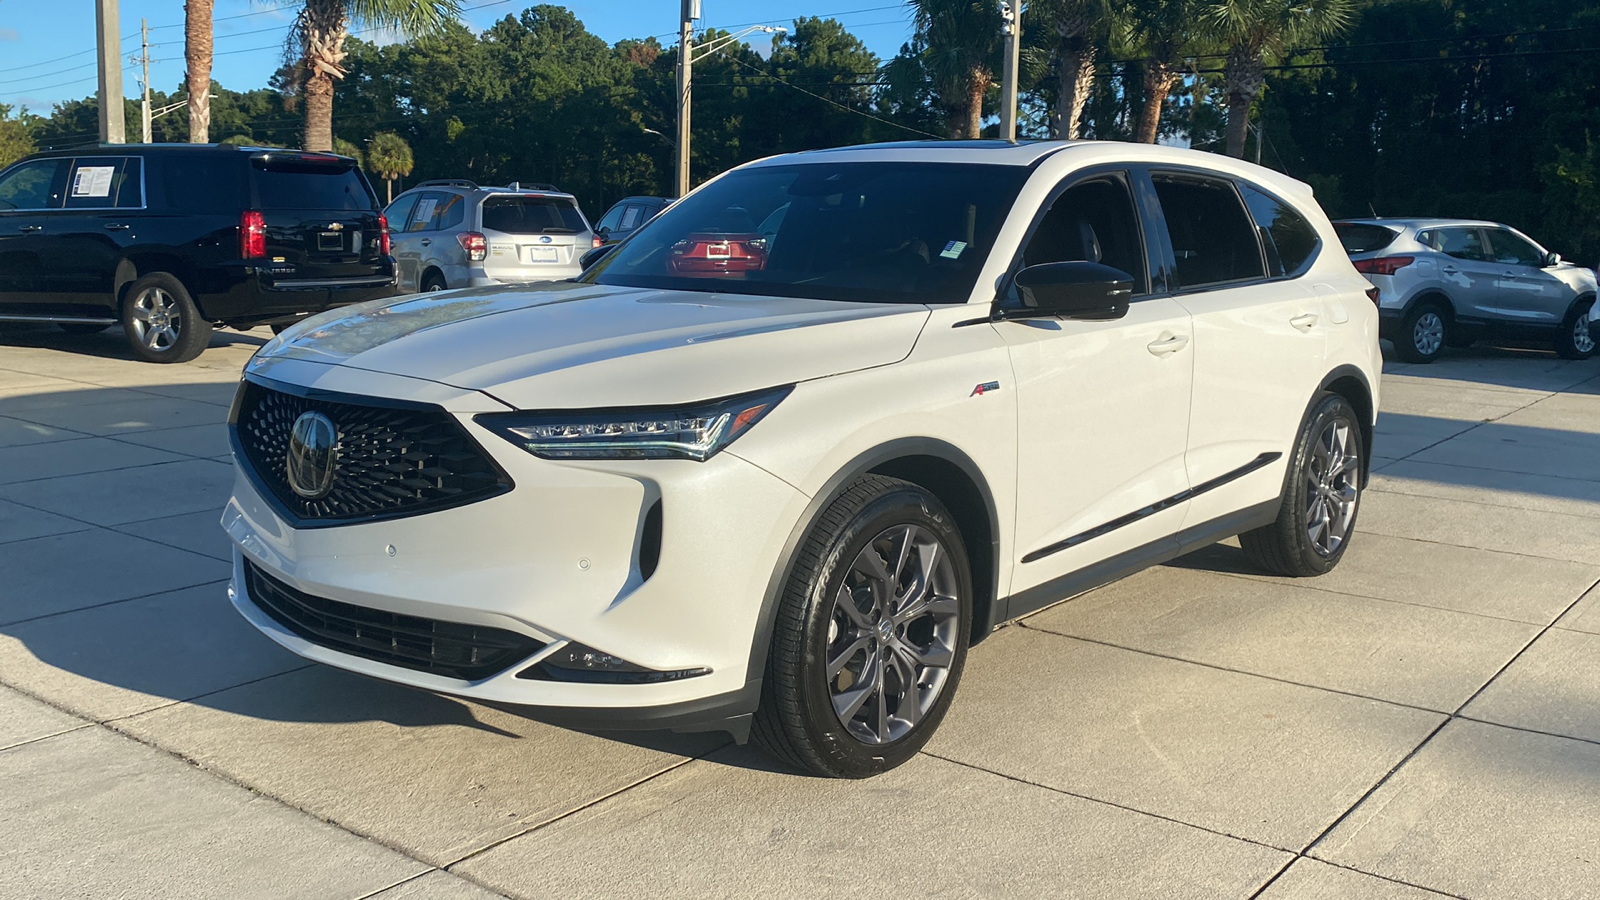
(696, 432)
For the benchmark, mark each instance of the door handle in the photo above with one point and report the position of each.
(1448, 270)
(426, 242)
(30, 228)
(1304, 322)
(117, 226)
(1172, 343)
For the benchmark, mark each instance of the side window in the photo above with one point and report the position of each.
(1288, 239)
(450, 212)
(1508, 248)
(33, 185)
(1092, 222)
(608, 222)
(630, 217)
(399, 211)
(1462, 243)
(1213, 238)
(1428, 239)
(197, 183)
(104, 182)
(427, 211)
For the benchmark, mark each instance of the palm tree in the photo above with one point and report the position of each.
(1164, 31)
(389, 157)
(1257, 29)
(1080, 26)
(316, 46)
(961, 51)
(197, 59)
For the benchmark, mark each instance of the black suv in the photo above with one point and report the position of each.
(171, 239)
(625, 217)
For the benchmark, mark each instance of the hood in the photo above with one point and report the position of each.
(563, 345)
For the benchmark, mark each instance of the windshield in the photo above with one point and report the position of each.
(514, 214)
(879, 232)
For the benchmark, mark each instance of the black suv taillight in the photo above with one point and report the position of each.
(252, 235)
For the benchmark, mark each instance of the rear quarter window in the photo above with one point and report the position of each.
(532, 215)
(1287, 238)
(312, 187)
(197, 183)
(1358, 237)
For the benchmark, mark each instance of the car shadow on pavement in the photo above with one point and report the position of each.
(1511, 365)
(110, 343)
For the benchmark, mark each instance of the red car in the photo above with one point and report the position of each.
(713, 254)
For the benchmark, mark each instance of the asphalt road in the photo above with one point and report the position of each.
(1425, 719)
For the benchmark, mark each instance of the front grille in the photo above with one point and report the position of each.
(392, 459)
(468, 652)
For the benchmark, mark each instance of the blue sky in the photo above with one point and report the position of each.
(47, 46)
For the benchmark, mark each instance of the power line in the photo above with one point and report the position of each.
(832, 102)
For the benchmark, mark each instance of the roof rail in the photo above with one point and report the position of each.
(534, 186)
(448, 182)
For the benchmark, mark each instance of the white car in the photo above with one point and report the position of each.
(779, 483)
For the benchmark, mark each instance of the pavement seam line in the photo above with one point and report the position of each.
(90, 526)
(135, 467)
(64, 612)
(45, 737)
(1267, 580)
(202, 695)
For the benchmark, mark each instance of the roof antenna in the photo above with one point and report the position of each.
(1373, 211)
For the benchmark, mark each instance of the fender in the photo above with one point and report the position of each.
(861, 465)
(1368, 421)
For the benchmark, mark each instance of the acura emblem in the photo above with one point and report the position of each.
(313, 455)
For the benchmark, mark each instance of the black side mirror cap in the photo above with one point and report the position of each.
(1552, 259)
(1071, 290)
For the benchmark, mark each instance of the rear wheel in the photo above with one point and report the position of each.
(434, 282)
(871, 633)
(81, 327)
(1321, 493)
(1575, 340)
(1423, 333)
(161, 321)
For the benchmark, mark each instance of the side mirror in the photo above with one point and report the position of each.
(600, 233)
(1072, 290)
(594, 255)
(1552, 259)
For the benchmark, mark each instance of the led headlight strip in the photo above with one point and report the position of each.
(694, 432)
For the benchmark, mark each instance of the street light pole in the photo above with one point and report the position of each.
(1011, 15)
(108, 22)
(144, 59)
(690, 10)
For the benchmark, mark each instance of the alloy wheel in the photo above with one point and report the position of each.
(1428, 334)
(1332, 479)
(1582, 336)
(893, 634)
(156, 319)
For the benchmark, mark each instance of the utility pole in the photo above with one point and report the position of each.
(1011, 15)
(690, 10)
(144, 60)
(108, 23)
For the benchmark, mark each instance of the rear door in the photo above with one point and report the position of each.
(1470, 275)
(321, 216)
(1525, 290)
(535, 237)
(28, 191)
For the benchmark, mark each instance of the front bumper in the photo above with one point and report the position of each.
(555, 559)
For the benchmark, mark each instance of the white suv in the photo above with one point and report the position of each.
(775, 463)
(453, 234)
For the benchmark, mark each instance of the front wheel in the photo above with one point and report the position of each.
(1321, 493)
(871, 633)
(1575, 340)
(161, 321)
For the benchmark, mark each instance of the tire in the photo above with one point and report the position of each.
(1423, 332)
(1324, 476)
(434, 282)
(281, 327)
(81, 327)
(832, 610)
(1575, 340)
(161, 321)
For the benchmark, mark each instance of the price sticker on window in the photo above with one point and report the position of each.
(93, 181)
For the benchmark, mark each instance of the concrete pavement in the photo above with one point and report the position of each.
(1422, 722)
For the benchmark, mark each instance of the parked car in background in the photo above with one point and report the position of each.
(453, 233)
(775, 482)
(1450, 282)
(625, 216)
(172, 240)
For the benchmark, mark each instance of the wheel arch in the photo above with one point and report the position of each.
(137, 265)
(428, 271)
(937, 466)
(1351, 383)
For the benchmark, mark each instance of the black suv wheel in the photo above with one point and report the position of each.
(162, 323)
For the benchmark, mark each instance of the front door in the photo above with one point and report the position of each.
(402, 245)
(1102, 406)
(101, 214)
(1525, 290)
(28, 192)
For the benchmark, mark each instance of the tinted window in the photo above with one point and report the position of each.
(197, 182)
(1287, 238)
(1462, 243)
(1358, 237)
(870, 231)
(630, 218)
(1213, 239)
(1508, 248)
(33, 185)
(104, 182)
(449, 213)
(1092, 222)
(608, 222)
(532, 215)
(399, 211)
(311, 187)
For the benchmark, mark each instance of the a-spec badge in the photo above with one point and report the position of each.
(988, 387)
(313, 455)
